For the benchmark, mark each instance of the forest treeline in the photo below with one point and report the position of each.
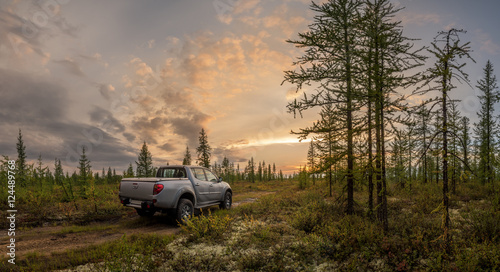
(46, 192)
(82, 181)
(365, 76)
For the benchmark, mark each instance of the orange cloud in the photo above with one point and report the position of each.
(245, 6)
(420, 19)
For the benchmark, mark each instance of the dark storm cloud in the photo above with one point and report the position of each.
(180, 115)
(105, 91)
(106, 121)
(233, 155)
(168, 147)
(187, 128)
(62, 24)
(105, 118)
(71, 66)
(16, 33)
(149, 127)
(28, 100)
(189, 118)
(101, 147)
(39, 108)
(27, 24)
(129, 136)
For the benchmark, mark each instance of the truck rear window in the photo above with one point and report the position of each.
(171, 173)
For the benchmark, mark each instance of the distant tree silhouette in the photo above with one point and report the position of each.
(144, 162)
(204, 150)
(187, 157)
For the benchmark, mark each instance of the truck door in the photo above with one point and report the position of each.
(202, 185)
(215, 186)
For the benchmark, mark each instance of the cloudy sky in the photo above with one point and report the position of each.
(112, 74)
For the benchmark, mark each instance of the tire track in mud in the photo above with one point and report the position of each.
(46, 240)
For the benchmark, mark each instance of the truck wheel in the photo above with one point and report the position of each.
(145, 213)
(228, 200)
(184, 210)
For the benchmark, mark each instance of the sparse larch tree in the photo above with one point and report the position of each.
(21, 166)
(331, 61)
(130, 171)
(144, 163)
(487, 129)
(61, 180)
(311, 161)
(204, 150)
(187, 157)
(250, 170)
(423, 129)
(447, 48)
(85, 174)
(388, 58)
(465, 145)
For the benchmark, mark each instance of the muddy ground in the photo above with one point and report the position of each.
(46, 240)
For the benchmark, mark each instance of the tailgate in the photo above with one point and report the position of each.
(140, 189)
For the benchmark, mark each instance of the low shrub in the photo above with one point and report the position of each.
(310, 217)
(427, 199)
(482, 226)
(197, 262)
(348, 235)
(478, 257)
(207, 227)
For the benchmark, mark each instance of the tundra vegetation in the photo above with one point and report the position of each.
(390, 184)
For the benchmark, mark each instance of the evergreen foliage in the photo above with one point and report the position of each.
(144, 163)
(447, 48)
(21, 164)
(204, 150)
(187, 157)
(487, 127)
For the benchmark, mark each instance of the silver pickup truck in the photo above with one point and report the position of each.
(177, 190)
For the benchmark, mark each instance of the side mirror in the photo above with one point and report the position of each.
(220, 179)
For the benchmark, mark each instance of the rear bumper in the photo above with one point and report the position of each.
(138, 204)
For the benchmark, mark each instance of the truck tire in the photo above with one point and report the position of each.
(228, 200)
(145, 213)
(185, 210)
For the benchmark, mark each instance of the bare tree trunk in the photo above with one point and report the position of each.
(446, 204)
(350, 132)
(370, 160)
(384, 218)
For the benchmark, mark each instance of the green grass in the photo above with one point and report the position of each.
(130, 253)
(49, 205)
(85, 229)
(305, 230)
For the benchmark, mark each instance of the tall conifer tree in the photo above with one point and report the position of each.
(487, 128)
(388, 56)
(331, 61)
(21, 166)
(204, 150)
(187, 157)
(144, 163)
(447, 48)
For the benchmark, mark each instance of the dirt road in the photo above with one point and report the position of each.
(51, 239)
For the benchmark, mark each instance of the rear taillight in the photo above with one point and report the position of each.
(157, 189)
